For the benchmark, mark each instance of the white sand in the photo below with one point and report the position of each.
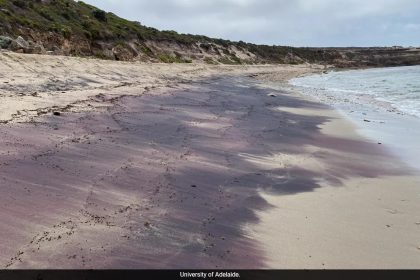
(361, 223)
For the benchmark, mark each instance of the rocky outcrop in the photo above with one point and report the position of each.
(21, 45)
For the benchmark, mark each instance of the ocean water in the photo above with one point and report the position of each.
(383, 103)
(392, 89)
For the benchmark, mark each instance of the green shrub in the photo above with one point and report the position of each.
(147, 50)
(20, 3)
(209, 60)
(66, 31)
(100, 15)
(166, 58)
(45, 14)
(205, 46)
(229, 60)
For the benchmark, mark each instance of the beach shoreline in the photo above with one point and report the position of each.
(347, 225)
(375, 117)
(127, 165)
(363, 221)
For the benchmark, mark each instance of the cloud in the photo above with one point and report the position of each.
(281, 22)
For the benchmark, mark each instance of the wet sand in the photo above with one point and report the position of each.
(363, 215)
(192, 166)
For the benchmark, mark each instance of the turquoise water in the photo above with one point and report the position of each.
(393, 89)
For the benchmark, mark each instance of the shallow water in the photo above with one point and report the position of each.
(396, 88)
(383, 103)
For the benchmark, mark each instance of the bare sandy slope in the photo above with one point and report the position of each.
(32, 85)
(189, 166)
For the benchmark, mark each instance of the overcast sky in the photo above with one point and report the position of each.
(281, 22)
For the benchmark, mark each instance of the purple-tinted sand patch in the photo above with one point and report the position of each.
(157, 181)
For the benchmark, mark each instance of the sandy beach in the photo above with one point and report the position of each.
(107, 164)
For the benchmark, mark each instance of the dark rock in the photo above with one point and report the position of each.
(38, 49)
(56, 50)
(56, 113)
(122, 53)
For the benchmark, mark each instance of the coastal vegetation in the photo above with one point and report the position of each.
(67, 27)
